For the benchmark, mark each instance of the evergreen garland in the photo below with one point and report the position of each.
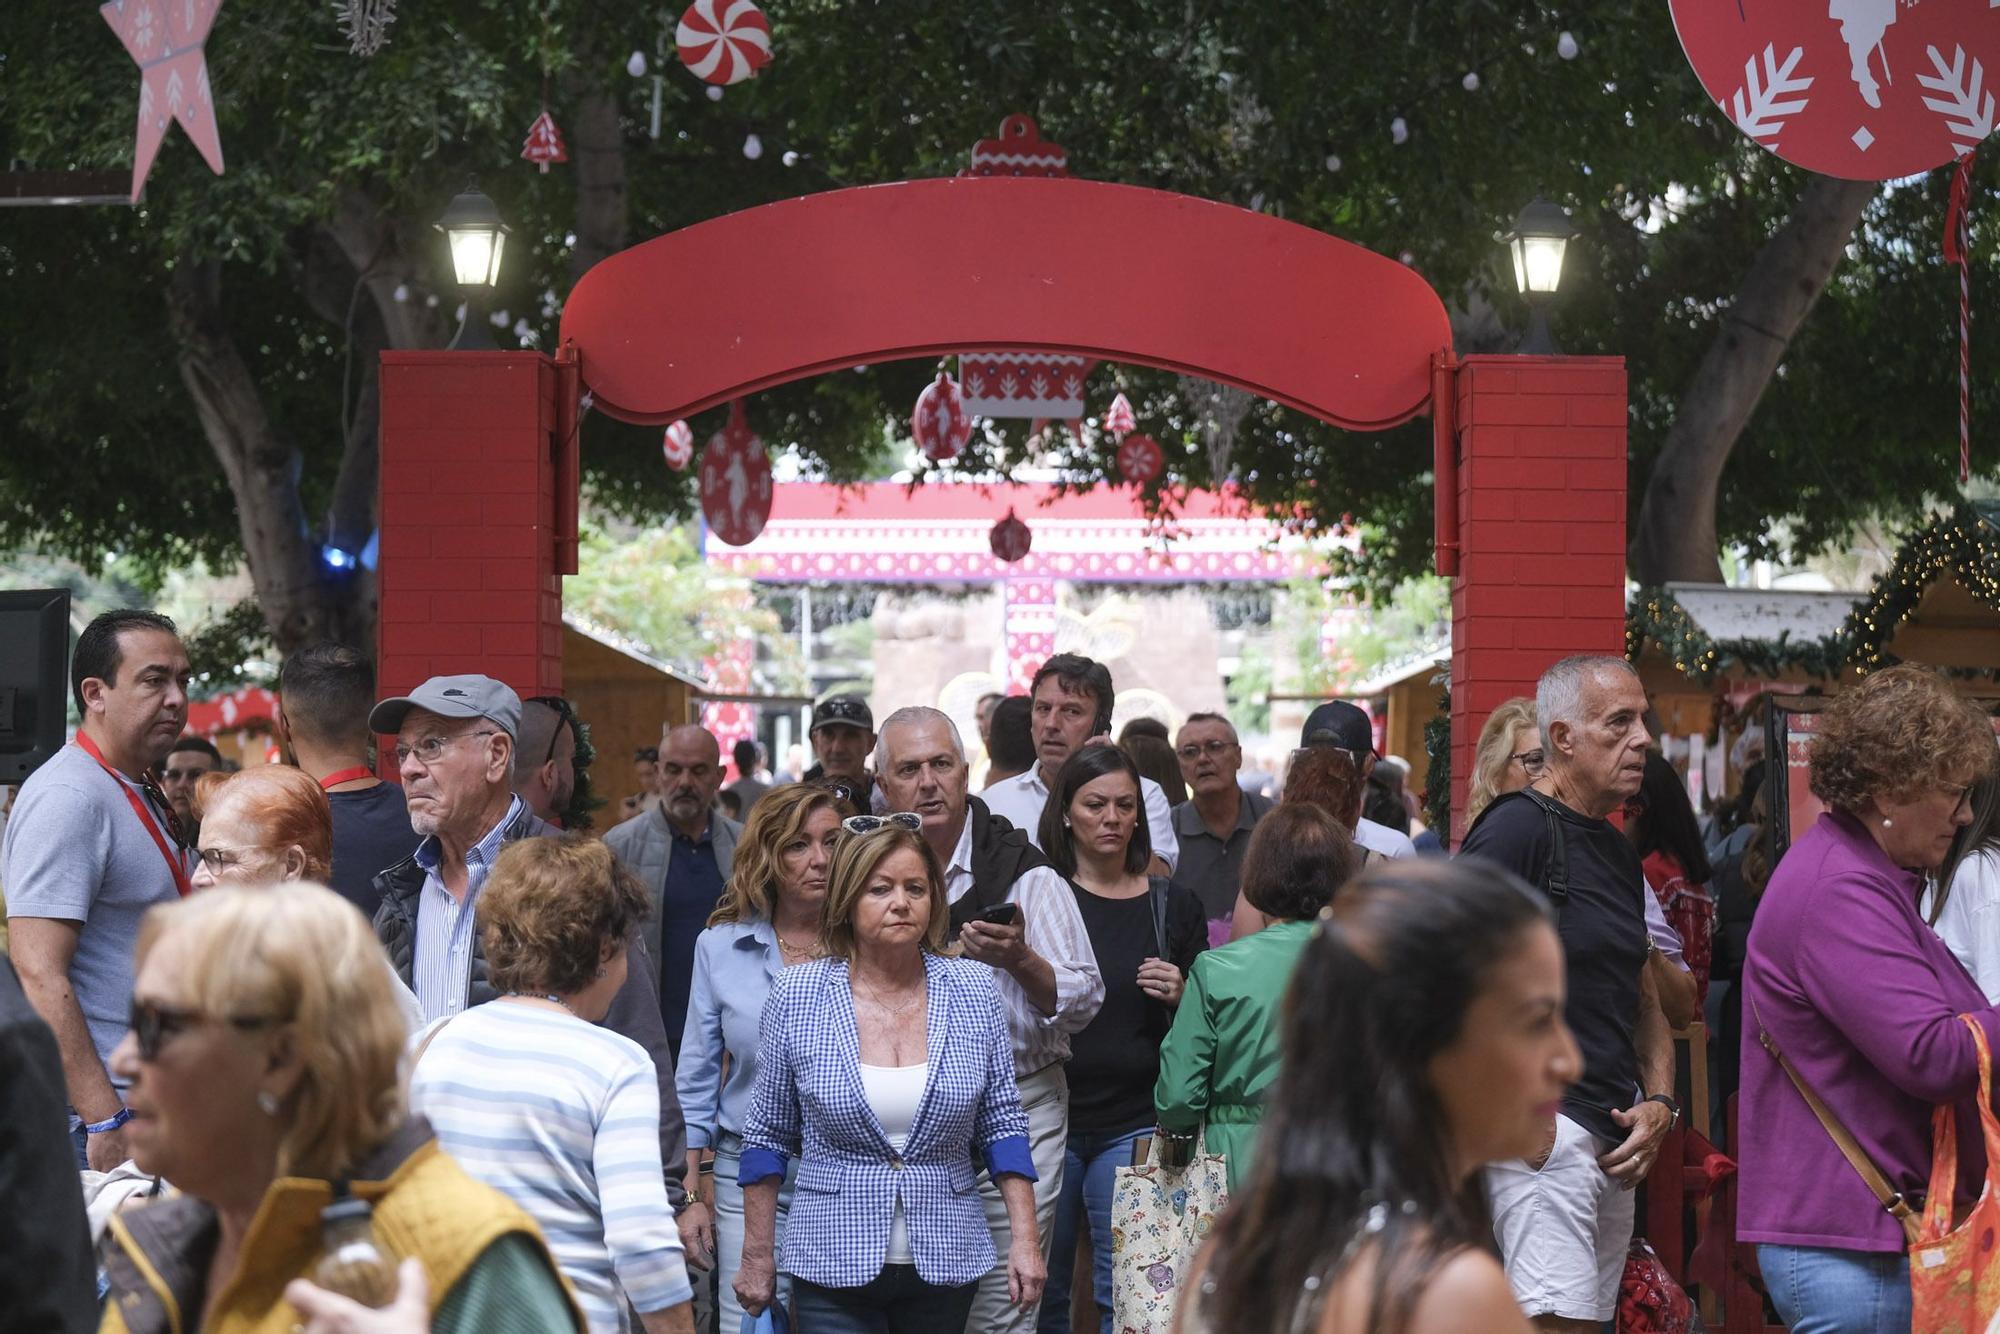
(1437, 782)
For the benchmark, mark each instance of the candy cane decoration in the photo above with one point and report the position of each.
(1958, 249)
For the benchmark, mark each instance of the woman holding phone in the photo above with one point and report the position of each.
(1146, 934)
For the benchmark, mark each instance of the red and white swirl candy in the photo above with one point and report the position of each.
(724, 47)
(677, 446)
(940, 424)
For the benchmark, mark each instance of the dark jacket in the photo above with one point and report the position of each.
(635, 1010)
(48, 1280)
(1001, 854)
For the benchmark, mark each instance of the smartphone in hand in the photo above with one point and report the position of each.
(1000, 914)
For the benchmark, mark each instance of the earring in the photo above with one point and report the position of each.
(1887, 823)
(268, 1102)
(601, 972)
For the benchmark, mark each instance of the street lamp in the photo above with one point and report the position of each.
(1541, 233)
(477, 236)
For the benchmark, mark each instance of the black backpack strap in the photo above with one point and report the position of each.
(1157, 890)
(1556, 882)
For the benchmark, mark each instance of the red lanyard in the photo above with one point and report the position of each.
(335, 779)
(174, 863)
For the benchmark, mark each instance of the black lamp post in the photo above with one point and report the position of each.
(1541, 233)
(477, 236)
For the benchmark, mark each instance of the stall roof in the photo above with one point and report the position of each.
(1763, 613)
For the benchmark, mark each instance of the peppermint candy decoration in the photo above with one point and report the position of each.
(1118, 418)
(1010, 539)
(940, 423)
(1140, 459)
(736, 481)
(726, 48)
(678, 445)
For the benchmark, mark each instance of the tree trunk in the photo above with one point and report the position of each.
(598, 155)
(300, 604)
(1675, 538)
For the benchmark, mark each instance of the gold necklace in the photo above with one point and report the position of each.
(798, 953)
(876, 998)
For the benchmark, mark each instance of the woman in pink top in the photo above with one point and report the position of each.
(1863, 998)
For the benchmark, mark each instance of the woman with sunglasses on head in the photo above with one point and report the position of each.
(1963, 901)
(768, 921)
(883, 1069)
(264, 1060)
(270, 827)
(1507, 758)
(1423, 1037)
(1145, 933)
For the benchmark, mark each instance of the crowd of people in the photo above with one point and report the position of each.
(869, 1048)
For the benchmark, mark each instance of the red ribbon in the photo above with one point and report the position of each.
(174, 862)
(335, 779)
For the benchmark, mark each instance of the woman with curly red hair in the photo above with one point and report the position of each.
(1846, 980)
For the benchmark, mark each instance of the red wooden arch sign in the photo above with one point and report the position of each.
(927, 268)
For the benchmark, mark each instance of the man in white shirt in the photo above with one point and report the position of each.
(1071, 703)
(1344, 727)
(1047, 973)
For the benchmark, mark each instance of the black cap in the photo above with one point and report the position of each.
(1339, 723)
(842, 711)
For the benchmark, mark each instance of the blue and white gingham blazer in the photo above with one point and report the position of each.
(810, 1102)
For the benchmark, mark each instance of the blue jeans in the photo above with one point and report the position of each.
(1089, 1162)
(727, 1207)
(1818, 1290)
(895, 1301)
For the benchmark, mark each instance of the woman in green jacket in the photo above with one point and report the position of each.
(1221, 1054)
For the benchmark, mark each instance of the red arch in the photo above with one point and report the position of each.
(926, 268)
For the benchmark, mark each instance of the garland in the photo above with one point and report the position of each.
(1437, 782)
(1657, 617)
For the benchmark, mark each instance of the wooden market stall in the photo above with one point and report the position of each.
(625, 697)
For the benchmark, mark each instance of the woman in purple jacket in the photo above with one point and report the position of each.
(1863, 998)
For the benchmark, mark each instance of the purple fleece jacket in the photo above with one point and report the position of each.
(1863, 998)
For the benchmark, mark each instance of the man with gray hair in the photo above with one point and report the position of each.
(545, 758)
(1564, 1219)
(1015, 912)
(1215, 822)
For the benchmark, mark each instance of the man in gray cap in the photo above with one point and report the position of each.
(455, 738)
(842, 734)
(1345, 727)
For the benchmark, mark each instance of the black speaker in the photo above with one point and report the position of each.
(34, 678)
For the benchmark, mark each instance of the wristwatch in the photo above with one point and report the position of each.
(1666, 1100)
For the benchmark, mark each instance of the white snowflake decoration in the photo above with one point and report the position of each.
(365, 23)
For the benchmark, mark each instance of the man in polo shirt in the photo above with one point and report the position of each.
(1071, 702)
(1341, 725)
(684, 852)
(842, 734)
(1214, 823)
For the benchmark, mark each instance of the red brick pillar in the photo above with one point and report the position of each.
(1541, 529)
(467, 571)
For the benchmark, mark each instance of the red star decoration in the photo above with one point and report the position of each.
(165, 38)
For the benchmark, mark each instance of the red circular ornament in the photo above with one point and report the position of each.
(678, 445)
(735, 481)
(1010, 538)
(1140, 459)
(1869, 90)
(724, 41)
(940, 423)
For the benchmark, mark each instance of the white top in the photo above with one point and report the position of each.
(1022, 797)
(1380, 838)
(894, 1092)
(1052, 926)
(1971, 920)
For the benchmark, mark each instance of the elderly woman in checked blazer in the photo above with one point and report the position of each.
(883, 1067)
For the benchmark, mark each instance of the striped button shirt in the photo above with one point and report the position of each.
(563, 1118)
(1055, 931)
(441, 968)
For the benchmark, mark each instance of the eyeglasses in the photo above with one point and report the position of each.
(431, 749)
(567, 713)
(184, 775)
(868, 824)
(218, 860)
(1964, 797)
(165, 809)
(152, 1024)
(841, 790)
(1215, 750)
(1532, 762)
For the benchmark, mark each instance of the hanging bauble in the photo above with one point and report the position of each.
(545, 142)
(735, 481)
(1010, 539)
(724, 41)
(1118, 418)
(1140, 459)
(635, 65)
(677, 446)
(940, 424)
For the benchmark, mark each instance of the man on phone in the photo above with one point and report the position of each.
(1015, 912)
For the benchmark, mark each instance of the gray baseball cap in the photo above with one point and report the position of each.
(453, 697)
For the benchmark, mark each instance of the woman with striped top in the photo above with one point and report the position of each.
(560, 1115)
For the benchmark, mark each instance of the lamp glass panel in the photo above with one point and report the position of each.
(1538, 262)
(500, 244)
(475, 254)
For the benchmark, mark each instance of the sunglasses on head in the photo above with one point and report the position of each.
(153, 1023)
(166, 809)
(567, 713)
(868, 824)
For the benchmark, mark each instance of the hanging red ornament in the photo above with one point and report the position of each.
(1010, 538)
(940, 424)
(678, 445)
(736, 481)
(726, 47)
(1140, 459)
(1118, 418)
(545, 143)
(166, 43)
